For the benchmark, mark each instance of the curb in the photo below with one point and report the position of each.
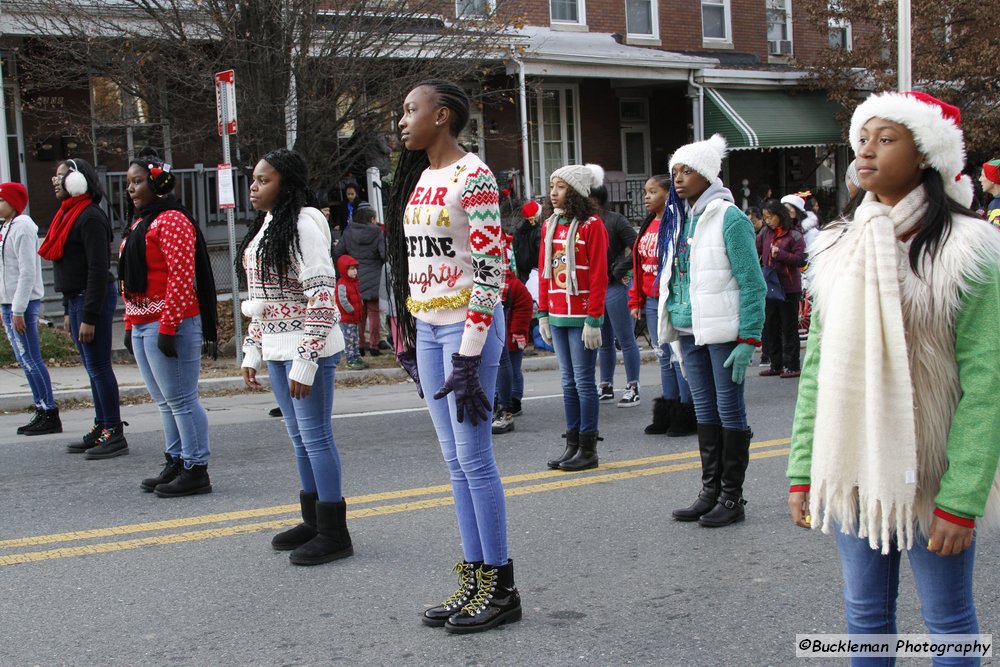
(18, 402)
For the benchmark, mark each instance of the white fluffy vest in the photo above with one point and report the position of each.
(930, 304)
(714, 292)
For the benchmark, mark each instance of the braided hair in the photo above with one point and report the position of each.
(409, 168)
(673, 217)
(280, 241)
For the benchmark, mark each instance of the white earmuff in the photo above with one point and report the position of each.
(75, 183)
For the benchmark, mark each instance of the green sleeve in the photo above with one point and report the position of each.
(741, 247)
(974, 437)
(800, 458)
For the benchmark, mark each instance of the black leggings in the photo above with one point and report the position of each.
(781, 331)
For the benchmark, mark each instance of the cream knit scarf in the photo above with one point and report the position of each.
(864, 465)
(572, 287)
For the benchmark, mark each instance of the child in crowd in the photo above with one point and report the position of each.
(364, 241)
(655, 247)
(518, 308)
(351, 310)
(895, 449)
(21, 291)
(572, 281)
(990, 180)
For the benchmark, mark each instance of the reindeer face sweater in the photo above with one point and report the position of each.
(455, 249)
(556, 299)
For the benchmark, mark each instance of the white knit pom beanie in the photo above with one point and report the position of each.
(936, 132)
(580, 177)
(705, 157)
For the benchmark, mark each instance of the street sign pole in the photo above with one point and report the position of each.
(227, 122)
(904, 76)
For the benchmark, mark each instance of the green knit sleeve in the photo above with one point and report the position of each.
(741, 247)
(800, 459)
(974, 437)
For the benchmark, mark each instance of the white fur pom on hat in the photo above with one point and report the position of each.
(936, 132)
(705, 157)
(581, 177)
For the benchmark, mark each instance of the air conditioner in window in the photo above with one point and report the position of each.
(781, 47)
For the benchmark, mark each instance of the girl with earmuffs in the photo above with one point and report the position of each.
(78, 243)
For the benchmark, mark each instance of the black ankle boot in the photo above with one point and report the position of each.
(34, 420)
(110, 443)
(496, 601)
(191, 481)
(572, 445)
(585, 457)
(332, 540)
(167, 475)
(735, 458)
(710, 448)
(88, 441)
(661, 417)
(293, 538)
(49, 423)
(683, 421)
(466, 571)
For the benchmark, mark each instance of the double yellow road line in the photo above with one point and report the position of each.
(281, 516)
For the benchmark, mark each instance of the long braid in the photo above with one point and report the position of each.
(409, 168)
(280, 242)
(672, 222)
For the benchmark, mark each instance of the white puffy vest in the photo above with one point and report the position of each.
(714, 292)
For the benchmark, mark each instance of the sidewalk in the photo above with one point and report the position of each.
(72, 383)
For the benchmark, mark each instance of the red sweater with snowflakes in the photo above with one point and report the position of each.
(591, 260)
(170, 295)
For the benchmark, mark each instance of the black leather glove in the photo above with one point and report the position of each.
(128, 341)
(470, 398)
(408, 360)
(167, 344)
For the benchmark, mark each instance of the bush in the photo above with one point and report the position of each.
(56, 344)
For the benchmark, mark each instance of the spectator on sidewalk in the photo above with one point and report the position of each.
(618, 324)
(170, 310)
(365, 242)
(21, 291)
(990, 180)
(78, 243)
(292, 287)
(342, 215)
(781, 246)
(351, 310)
(518, 308)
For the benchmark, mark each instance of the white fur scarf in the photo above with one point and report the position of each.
(865, 438)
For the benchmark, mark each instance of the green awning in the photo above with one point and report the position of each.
(750, 119)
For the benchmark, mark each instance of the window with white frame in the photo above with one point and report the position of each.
(840, 34)
(568, 11)
(473, 8)
(641, 18)
(715, 21)
(554, 118)
(779, 27)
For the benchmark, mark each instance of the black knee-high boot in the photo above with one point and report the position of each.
(735, 458)
(710, 448)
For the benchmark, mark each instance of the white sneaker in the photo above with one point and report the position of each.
(630, 398)
(605, 392)
(503, 422)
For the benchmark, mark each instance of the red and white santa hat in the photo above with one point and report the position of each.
(936, 130)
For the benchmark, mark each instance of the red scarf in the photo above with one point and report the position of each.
(55, 239)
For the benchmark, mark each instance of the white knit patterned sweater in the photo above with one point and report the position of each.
(299, 320)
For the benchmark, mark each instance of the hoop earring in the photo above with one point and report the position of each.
(924, 165)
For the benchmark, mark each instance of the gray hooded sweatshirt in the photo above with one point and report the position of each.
(20, 265)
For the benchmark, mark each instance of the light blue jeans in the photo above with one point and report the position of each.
(675, 387)
(871, 584)
(577, 366)
(28, 353)
(309, 425)
(467, 449)
(173, 384)
(717, 399)
(618, 323)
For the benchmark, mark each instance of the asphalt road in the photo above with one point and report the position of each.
(95, 572)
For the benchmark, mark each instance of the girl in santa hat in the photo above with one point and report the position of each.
(896, 435)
